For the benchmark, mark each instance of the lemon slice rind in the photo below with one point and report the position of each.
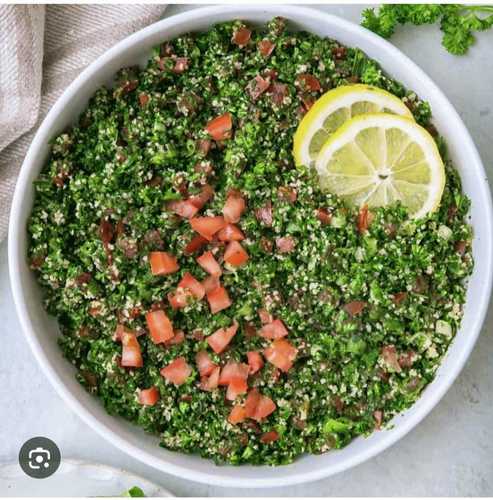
(342, 100)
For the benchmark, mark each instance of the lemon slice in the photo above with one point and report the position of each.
(378, 159)
(333, 109)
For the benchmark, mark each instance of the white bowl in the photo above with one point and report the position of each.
(41, 331)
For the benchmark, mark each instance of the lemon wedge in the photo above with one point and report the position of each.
(379, 159)
(336, 107)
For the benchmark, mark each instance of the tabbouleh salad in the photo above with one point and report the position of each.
(206, 289)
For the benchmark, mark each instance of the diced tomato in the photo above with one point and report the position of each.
(204, 146)
(211, 283)
(232, 371)
(219, 340)
(211, 382)
(177, 371)
(219, 128)
(236, 387)
(251, 402)
(180, 299)
(287, 193)
(266, 47)
(265, 407)
(269, 437)
(241, 36)
(181, 65)
(308, 82)
(218, 299)
(264, 214)
(324, 216)
(209, 264)
(235, 254)
(255, 361)
(389, 356)
(204, 363)
(207, 226)
(201, 199)
(196, 243)
(188, 282)
(237, 415)
(285, 244)
(183, 208)
(160, 326)
(177, 339)
(265, 316)
(231, 233)
(257, 87)
(356, 307)
(364, 219)
(258, 406)
(131, 353)
(274, 330)
(281, 354)
(119, 332)
(163, 263)
(149, 397)
(399, 297)
(233, 208)
(279, 93)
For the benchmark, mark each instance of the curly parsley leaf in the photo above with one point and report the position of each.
(457, 22)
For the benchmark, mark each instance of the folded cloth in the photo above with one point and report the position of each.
(42, 49)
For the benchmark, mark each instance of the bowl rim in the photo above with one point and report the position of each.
(15, 255)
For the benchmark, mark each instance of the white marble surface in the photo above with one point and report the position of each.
(449, 454)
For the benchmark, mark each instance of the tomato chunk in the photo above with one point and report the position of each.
(356, 307)
(131, 353)
(234, 207)
(258, 406)
(281, 354)
(177, 339)
(232, 371)
(181, 298)
(269, 437)
(241, 36)
(364, 219)
(211, 283)
(274, 330)
(188, 282)
(163, 263)
(231, 233)
(237, 415)
(204, 363)
(308, 82)
(255, 361)
(209, 264)
(177, 371)
(160, 326)
(265, 407)
(149, 397)
(219, 128)
(265, 316)
(235, 254)
(195, 244)
(201, 199)
(218, 299)
(211, 382)
(266, 47)
(207, 226)
(236, 387)
(183, 208)
(219, 340)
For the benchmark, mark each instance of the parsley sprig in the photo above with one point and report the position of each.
(458, 22)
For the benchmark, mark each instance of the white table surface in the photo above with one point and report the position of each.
(450, 453)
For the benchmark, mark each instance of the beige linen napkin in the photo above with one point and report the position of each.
(42, 50)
